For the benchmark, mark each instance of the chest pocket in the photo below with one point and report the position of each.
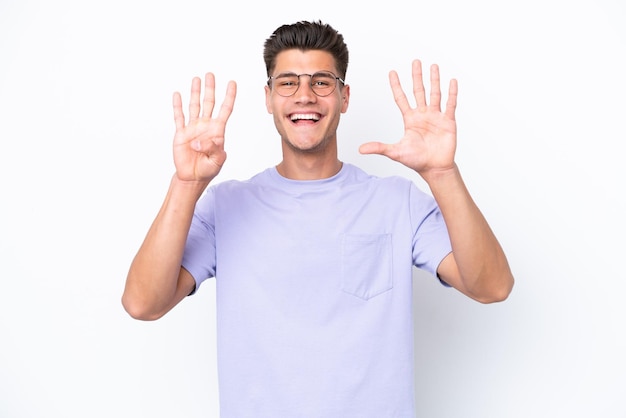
(366, 264)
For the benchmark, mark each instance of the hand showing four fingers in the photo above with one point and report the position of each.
(199, 142)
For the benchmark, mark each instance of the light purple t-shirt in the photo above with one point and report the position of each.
(314, 299)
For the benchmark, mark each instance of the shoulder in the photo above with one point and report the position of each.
(395, 184)
(228, 186)
(396, 191)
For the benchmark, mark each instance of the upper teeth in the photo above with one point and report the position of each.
(310, 116)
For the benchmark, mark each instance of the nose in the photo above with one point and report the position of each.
(305, 91)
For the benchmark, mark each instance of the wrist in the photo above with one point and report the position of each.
(191, 188)
(441, 177)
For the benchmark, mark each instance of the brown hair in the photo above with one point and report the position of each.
(306, 36)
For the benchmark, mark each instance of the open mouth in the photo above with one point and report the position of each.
(304, 117)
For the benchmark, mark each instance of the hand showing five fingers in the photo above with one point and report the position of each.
(199, 143)
(429, 140)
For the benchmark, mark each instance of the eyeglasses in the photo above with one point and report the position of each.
(323, 83)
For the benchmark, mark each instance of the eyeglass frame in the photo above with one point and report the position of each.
(270, 78)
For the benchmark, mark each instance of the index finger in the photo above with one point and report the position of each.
(229, 102)
(453, 92)
(398, 93)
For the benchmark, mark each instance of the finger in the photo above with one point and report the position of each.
(373, 148)
(435, 88)
(398, 93)
(209, 95)
(229, 102)
(205, 146)
(213, 151)
(194, 100)
(453, 91)
(179, 116)
(418, 84)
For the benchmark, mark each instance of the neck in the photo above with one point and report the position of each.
(303, 168)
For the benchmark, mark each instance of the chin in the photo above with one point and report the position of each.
(308, 147)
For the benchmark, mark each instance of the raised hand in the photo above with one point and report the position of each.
(429, 141)
(199, 144)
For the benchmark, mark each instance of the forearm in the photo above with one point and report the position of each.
(152, 279)
(483, 269)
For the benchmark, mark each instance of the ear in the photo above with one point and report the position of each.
(345, 98)
(268, 104)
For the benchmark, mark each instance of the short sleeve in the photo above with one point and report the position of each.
(199, 255)
(431, 242)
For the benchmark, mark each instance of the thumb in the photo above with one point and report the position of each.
(373, 148)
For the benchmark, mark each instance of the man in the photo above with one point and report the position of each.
(313, 257)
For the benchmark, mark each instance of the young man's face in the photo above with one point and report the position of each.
(305, 121)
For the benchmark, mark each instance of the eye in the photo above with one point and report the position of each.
(286, 81)
(323, 80)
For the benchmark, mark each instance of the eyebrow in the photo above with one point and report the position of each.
(290, 73)
(285, 74)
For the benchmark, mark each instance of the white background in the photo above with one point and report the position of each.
(85, 160)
